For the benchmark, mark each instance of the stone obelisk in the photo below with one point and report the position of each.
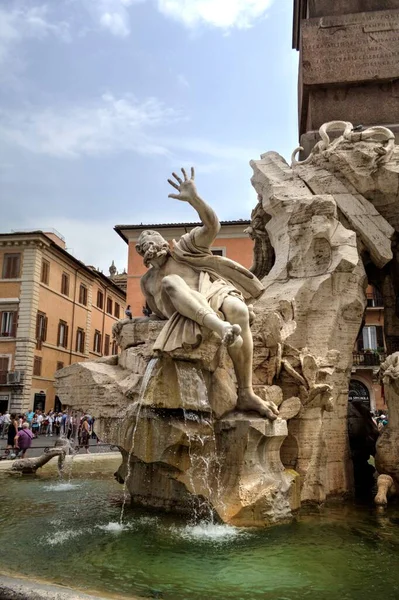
(349, 64)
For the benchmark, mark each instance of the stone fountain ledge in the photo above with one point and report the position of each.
(106, 462)
(21, 588)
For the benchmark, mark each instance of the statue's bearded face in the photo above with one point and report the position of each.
(152, 246)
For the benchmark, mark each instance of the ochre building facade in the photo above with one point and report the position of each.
(54, 311)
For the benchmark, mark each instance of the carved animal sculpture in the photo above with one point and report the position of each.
(30, 465)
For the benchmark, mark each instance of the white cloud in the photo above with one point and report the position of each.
(183, 81)
(114, 15)
(23, 23)
(115, 23)
(224, 14)
(111, 15)
(106, 126)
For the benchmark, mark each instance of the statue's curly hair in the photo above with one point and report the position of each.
(161, 244)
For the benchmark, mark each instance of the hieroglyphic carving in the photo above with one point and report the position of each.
(350, 48)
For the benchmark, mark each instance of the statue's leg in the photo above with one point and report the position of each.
(193, 305)
(236, 311)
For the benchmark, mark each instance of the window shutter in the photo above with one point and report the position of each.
(1, 323)
(360, 344)
(59, 334)
(37, 326)
(44, 333)
(14, 324)
(82, 349)
(16, 266)
(66, 337)
(380, 337)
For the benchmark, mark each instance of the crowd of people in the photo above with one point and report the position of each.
(380, 418)
(20, 430)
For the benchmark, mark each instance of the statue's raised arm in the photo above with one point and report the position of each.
(206, 234)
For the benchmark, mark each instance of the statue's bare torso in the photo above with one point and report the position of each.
(152, 281)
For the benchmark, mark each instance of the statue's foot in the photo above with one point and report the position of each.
(231, 335)
(248, 400)
(385, 487)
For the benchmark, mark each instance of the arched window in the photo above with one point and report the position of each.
(359, 392)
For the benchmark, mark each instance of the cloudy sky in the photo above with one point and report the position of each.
(101, 99)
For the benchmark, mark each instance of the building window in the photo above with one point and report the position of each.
(83, 294)
(100, 299)
(8, 323)
(65, 284)
(107, 341)
(4, 365)
(218, 251)
(97, 342)
(117, 310)
(80, 340)
(372, 338)
(41, 329)
(62, 334)
(109, 306)
(45, 275)
(375, 299)
(60, 365)
(114, 348)
(11, 266)
(37, 366)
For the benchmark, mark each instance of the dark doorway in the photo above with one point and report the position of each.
(4, 400)
(57, 405)
(358, 392)
(39, 401)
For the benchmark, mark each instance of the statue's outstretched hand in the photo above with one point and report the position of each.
(187, 190)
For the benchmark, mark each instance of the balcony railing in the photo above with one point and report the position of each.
(368, 359)
(374, 300)
(3, 377)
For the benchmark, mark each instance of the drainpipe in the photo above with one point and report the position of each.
(73, 314)
(105, 288)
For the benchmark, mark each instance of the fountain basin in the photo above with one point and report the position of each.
(333, 553)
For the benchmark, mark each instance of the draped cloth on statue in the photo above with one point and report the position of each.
(219, 277)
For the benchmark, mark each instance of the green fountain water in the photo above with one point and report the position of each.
(70, 534)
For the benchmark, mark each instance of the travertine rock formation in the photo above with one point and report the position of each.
(325, 225)
(387, 457)
(183, 445)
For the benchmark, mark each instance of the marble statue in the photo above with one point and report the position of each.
(387, 450)
(193, 288)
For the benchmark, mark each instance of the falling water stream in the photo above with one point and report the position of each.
(146, 379)
(204, 470)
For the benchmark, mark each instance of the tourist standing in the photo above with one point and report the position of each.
(35, 425)
(1, 424)
(64, 423)
(50, 420)
(57, 424)
(85, 434)
(23, 439)
(7, 421)
(12, 431)
(29, 416)
(40, 421)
